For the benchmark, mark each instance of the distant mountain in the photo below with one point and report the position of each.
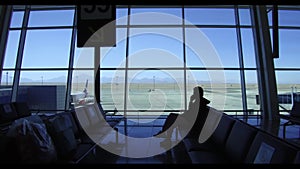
(83, 77)
(26, 80)
(57, 79)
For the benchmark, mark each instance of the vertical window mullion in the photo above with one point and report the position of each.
(20, 54)
(241, 61)
(184, 58)
(126, 69)
(71, 62)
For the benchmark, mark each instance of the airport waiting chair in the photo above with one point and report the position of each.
(22, 109)
(112, 120)
(293, 117)
(88, 118)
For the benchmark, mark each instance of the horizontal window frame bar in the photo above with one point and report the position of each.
(42, 28)
(181, 26)
(46, 8)
(181, 68)
(156, 26)
(178, 110)
(158, 68)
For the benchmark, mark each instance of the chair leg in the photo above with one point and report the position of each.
(176, 133)
(117, 134)
(284, 128)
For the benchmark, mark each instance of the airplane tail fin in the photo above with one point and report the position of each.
(85, 88)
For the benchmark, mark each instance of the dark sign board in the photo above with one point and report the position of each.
(96, 25)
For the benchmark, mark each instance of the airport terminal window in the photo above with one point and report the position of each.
(210, 16)
(244, 16)
(248, 48)
(112, 85)
(289, 49)
(233, 92)
(287, 85)
(17, 19)
(140, 16)
(48, 43)
(286, 65)
(43, 90)
(251, 89)
(46, 55)
(6, 86)
(53, 18)
(226, 96)
(11, 49)
(193, 59)
(150, 90)
(155, 47)
(47, 48)
(82, 79)
(83, 58)
(289, 17)
(225, 43)
(114, 57)
(42, 77)
(121, 16)
(7, 78)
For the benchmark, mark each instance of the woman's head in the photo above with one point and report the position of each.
(198, 91)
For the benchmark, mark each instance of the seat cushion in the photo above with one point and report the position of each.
(204, 157)
(239, 141)
(297, 158)
(192, 144)
(82, 151)
(8, 113)
(269, 149)
(221, 133)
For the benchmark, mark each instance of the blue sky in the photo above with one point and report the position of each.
(51, 48)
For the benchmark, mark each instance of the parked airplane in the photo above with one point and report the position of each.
(82, 97)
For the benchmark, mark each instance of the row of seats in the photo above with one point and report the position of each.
(235, 141)
(67, 130)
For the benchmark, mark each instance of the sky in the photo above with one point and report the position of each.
(51, 48)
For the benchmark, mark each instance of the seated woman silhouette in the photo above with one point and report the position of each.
(197, 103)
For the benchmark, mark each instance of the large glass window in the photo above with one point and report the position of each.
(6, 86)
(155, 16)
(213, 47)
(155, 90)
(47, 48)
(11, 49)
(288, 49)
(287, 86)
(83, 85)
(286, 65)
(43, 90)
(252, 89)
(115, 56)
(209, 16)
(244, 16)
(289, 17)
(7, 78)
(221, 87)
(112, 85)
(45, 57)
(164, 56)
(17, 19)
(248, 48)
(52, 18)
(121, 16)
(159, 47)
